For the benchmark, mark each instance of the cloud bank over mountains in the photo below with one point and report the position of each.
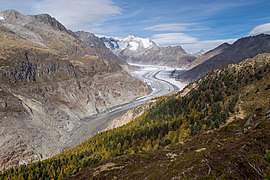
(261, 29)
(76, 14)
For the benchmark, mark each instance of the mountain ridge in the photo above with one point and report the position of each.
(145, 51)
(96, 43)
(207, 55)
(243, 48)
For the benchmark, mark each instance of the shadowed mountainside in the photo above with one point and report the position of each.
(243, 48)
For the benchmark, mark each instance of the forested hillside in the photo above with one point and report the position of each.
(236, 92)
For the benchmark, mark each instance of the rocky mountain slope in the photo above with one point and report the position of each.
(217, 127)
(97, 44)
(205, 56)
(49, 82)
(243, 48)
(145, 51)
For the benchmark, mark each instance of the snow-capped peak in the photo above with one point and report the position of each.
(199, 53)
(130, 43)
(133, 43)
(2, 18)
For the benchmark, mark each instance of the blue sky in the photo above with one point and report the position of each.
(195, 25)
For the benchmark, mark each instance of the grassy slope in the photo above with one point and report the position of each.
(174, 119)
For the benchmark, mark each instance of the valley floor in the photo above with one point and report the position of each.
(159, 83)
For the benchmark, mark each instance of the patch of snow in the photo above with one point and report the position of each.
(107, 45)
(131, 42)
(199, 53)
(129, 39)
(133, 46)
(122, 45)
(146, 43)
(115, 44)
(2, 18)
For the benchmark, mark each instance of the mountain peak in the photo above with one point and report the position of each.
(219, 48)
(225, 54)
(51, 21)
(135, 43)
(11, 14)
(257, 38)
(10, 11)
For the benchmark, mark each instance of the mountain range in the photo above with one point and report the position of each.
(225, 54)
(145, 51)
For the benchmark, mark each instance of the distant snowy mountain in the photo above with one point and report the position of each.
(199, 53)
(131, 42)
(135, 43)
(111, 43)
(145, 51)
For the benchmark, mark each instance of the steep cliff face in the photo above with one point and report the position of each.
(49, 82)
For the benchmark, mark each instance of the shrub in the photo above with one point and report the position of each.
(258, 110)
(267, 156)
(165, 142)
(267, 87)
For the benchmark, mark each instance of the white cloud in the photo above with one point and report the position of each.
(173, 39)
(78, 14)
(264, 28)
(176, 27)
(189, 43)
(205, 45)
